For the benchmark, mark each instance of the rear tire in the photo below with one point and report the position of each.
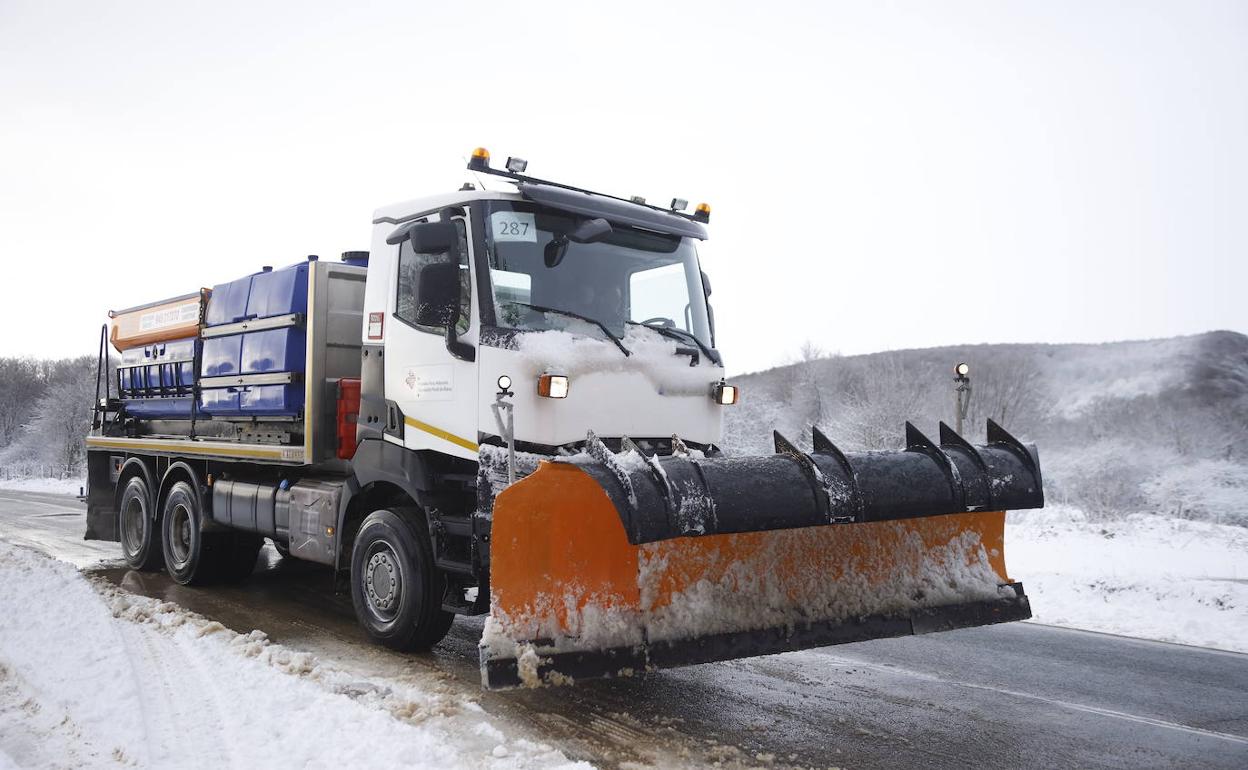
(395, 587)
(138, 527)
(189, 553)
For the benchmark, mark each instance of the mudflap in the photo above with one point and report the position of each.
(102, 523)
(589, 580)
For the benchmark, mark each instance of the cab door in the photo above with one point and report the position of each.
(436, 391)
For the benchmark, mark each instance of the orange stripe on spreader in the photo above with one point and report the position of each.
(558, 544)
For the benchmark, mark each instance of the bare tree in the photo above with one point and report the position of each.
(20, 387)
(1010, 390)
(876, 400)
(62, 417)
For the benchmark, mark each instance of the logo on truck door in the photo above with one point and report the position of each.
(431, 383)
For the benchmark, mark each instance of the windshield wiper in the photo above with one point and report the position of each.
(579, 317)
(680, 335)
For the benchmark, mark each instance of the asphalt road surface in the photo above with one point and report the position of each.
(1018, 695)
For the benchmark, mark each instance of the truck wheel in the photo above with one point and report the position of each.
(140, 542)
(395, 587)
(189, 553)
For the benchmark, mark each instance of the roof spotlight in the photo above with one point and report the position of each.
(517, 165)
(679, 204)
(962, 369)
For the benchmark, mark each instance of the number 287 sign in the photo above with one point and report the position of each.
(513, 226)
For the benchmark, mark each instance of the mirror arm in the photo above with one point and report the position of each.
(401, 234)
(461, 350)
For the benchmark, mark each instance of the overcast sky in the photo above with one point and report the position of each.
(882, 175)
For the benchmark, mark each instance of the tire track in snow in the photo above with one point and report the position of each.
(181, 716)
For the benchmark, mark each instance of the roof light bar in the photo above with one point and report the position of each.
(515, 167)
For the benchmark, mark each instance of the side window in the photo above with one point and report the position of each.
(410, 264)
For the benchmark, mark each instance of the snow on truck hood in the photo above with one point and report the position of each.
(652, 355)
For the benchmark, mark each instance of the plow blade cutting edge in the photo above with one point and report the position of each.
(618, 564)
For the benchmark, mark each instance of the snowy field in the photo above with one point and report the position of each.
(94, 677)
(47, 486)
(1144, 576)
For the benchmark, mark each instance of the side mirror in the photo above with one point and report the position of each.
(706, 283)
(437, 294)
(427, 237)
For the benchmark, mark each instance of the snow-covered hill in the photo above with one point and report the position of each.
(1150, 426)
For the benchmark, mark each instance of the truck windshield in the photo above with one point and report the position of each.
(630, 276)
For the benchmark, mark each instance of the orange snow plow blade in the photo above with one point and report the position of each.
(580, 591)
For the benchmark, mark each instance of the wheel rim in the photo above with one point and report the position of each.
(383, 581)
(180, 534)
(134, 525)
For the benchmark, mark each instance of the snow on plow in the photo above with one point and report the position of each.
(618, 564)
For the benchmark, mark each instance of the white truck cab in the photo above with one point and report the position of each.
(617, 318)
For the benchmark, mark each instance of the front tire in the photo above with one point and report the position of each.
(395, 587)
(138, 527)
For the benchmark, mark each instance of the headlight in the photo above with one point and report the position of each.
(552, 386)
(724, 394)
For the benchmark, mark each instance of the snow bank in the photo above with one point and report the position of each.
(1145, 576)
(45, 485)
(92, 676)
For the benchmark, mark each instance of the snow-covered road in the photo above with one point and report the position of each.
(1017, 695)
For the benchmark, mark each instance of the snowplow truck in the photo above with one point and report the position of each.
(512, 404)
